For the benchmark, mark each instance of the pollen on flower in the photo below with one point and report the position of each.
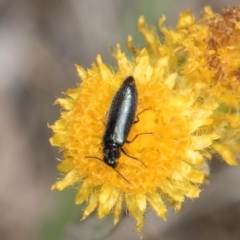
(181, 105)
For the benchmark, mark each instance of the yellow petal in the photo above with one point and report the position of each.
(137, 207)
(70, 178)
(226, 153)
(84, 192)
(157, 204)
(81, 72)
(64, 103)
(107, 199)
(92, 204)
(118, 208)
(66, 165)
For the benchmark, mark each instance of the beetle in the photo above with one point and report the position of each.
(121, 116)
(120, 120)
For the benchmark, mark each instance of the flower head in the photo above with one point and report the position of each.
(176, 106)
(205, 53)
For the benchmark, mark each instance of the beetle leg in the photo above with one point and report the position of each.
(127, 141)
(103, 122)
(132, 157)
(136, 121)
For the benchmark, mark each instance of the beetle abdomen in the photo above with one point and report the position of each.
(121, 114)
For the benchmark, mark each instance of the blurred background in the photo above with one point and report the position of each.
(40, 41)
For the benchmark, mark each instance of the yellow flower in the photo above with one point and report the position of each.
(183, 94)
(206, 53)
(173, 155)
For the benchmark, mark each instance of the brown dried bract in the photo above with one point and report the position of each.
(223, 34)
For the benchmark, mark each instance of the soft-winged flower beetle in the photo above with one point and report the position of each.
(121, 116)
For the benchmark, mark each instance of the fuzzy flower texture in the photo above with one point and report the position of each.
(188, 83)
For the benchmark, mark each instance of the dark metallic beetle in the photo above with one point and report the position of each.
(120, 119)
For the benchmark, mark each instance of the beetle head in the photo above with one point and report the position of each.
(110, 155)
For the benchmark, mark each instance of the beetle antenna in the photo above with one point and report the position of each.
(94, 157)
(112, 168)
(121, 175)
